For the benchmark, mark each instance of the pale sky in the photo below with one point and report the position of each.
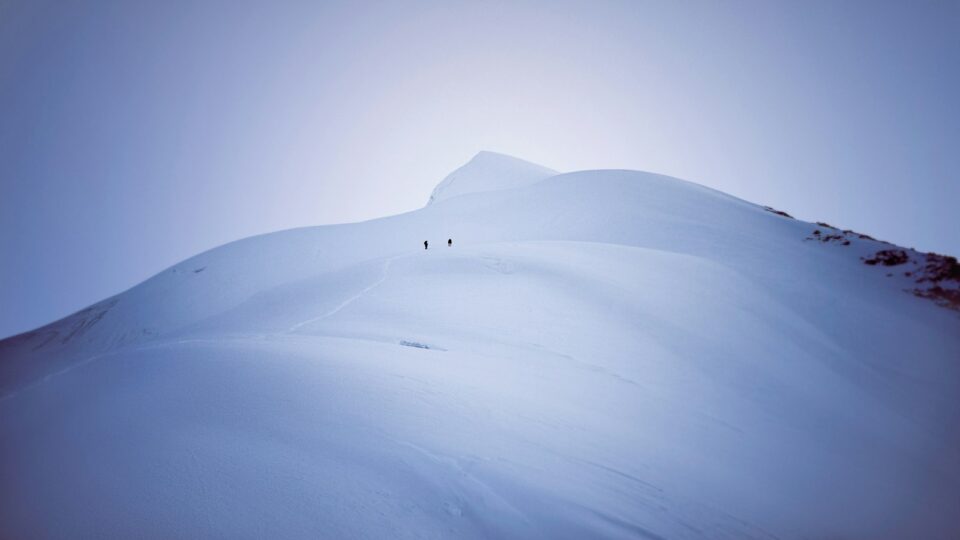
(136, 134)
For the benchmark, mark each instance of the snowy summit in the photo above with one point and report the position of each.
(599, 354)
(489, 171)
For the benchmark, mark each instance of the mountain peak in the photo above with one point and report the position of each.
(489, 171)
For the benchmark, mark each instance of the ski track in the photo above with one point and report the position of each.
(383, 277)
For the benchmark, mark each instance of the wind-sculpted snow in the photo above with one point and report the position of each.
(489, 171)
(602, 354)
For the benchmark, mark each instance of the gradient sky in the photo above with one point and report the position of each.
(136, 134)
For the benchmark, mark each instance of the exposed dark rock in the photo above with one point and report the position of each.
(777, 212)
(948, 298)
(62, 331)
(827, 238)
(888, 257)
(936, 277)
(940, 268)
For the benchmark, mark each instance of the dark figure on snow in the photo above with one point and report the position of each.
(425, 244)
(449, 242)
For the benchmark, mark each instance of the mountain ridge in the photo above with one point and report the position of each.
(599, 354)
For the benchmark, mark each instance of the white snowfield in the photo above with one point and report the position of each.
(600, 354)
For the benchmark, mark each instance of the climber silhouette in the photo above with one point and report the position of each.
(449, 242)
(425, 244)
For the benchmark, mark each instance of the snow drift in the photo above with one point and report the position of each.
(600, 354)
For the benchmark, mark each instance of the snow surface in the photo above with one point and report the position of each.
(489, 171)
(607, 354)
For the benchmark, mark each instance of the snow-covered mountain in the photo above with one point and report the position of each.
(609, 354)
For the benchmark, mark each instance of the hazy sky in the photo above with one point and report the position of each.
(136, 134)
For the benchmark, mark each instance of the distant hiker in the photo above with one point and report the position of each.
(449, 242)
(425, 244)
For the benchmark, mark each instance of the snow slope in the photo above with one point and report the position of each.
(607, 354)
